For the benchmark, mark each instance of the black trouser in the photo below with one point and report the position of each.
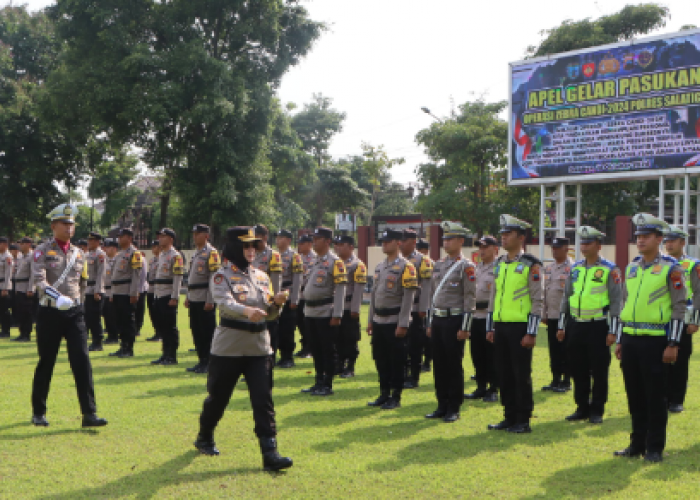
(514, 369)
(25, 309)
(125, 315)
(416, 344)
(5, 314)
(482, 354)
(273, 330)
(202, 324)
(348, 337)
(224, 373)
(286, 327)
(645, 373)
(589, 358)
(51, 327)
(167, 318)
(323, 340)
(448, 353)
(93, 317)
(304, 339)
(390, 354)
(153, 313)
(557, 352)
(140, 311)
(678, 371)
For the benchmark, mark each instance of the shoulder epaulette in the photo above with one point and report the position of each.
(637, 258)
(579, 263)
(670, 260)
(531, 259)
(608, 264)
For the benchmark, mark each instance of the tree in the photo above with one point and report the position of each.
(316, 124)
(376, 163)
(112, 172)
(333, 191)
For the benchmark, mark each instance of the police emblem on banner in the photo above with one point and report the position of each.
(628, 62)
(589, 69)
(573, 70)
(609, 65)
(645, 58)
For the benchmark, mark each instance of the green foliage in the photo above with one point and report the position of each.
(333, 191)
(316, 124)
(376, 163)
(112, 171)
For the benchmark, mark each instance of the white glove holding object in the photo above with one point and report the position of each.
(64, 303)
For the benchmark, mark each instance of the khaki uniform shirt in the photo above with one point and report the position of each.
(459, 289)
(233, 290)
(7, 266)
(292, 274)
(204, 264)
(96, 272)
(357, 279)
(424, 268)
(169, 274)
(327, 279)
(555, 276)
(152, 271)
(395, 284)
(126, 272)
(484, 283)
(269, 262)
(109, 270)
(49, 264)
(23, 275)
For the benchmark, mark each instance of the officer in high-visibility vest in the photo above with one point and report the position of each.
(654, 299)
(674, 241)
(515, 308)
(592, 302)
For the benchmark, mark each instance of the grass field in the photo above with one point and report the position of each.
(341, 448)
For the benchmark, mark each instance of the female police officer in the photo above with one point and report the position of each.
(241, 345)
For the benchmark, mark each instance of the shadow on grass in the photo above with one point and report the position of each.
(41, 433)
(325, 418)
(146, 484)
(199, 389)
(159, 372)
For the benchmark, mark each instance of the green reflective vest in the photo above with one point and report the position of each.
(648, 306)
(512, 302)
(688, 264)
(590, 286)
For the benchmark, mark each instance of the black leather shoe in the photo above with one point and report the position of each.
(202, 368)
(451, 417)
(491, 397)
(653, 457)
(192, 368)
(155, 338)
(503, 425)
(379, 401)
(116, 353)
(550, 386)
(111, 341)
(439, 413)
(126, 353)
(4, 335)
(311, 389)
(323, 391)
(158, 361)
(520, 429)
(425, 367)
(302, 353)
(272, 461)
(473, 377)
(286, 363)
(628, 452)
(191, 350)
(391, 404)
(347, 374)
(477, 394)
(577, 415)
(675, 408)
(40, 421)
(560, 389)
(169, 361)
(22, 339)
(410, 384)
(206, 446)
(596, 419)
(93, 421)
(566, 385)
(95, 347)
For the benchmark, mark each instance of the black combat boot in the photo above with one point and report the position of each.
(205, 444)
(272, 460)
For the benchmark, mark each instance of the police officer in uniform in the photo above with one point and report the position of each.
(423, 247)
(83, 245)
(592, 301)
(674, 241)
(269, 261)
(395, 285)
(481, 350)
(308, 256)
(349, 333)
(24, 290)
(654, 299)
(292, 277)
(126, 276)
(514, 316)
(241, 346)
(143, 291)
(111, 248)
(7, 264)
(452, 290)
(94, 293)
(555, 275)
(205, 262)
(59, 269)
(167, 295)
(325, 298)
(150, 296)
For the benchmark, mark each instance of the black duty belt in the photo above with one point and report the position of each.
(2, 280)
(287, 284)
(348, 298)
(389, 311)
(21, 280)
(120, 282)
(416, 299)
(482, 305)
(320, 302)
(162, 282)
(151, 283)
(196, 286)
(108, 287)
(242, 325)
(91, 283)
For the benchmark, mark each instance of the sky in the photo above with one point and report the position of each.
(382, 60)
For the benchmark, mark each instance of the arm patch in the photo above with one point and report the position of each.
(426, 268)
(178, 265)
(275, 263)
(360, 275)
(214, 261)
(136, 261)
(297, 264)
(340, 273)
(409, 278)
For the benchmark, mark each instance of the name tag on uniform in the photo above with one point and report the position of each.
(454, 283)
(633, 272)
(520, 269)
(656, 269)
(391, 277)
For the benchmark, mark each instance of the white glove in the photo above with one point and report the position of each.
(64, 303)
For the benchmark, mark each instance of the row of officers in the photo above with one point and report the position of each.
(261, 294)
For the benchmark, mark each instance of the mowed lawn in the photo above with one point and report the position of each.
(341, 448)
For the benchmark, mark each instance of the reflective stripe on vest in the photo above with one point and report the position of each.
(648, 307)
(512, 302)
(590, 298)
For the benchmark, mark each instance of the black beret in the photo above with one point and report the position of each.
(167, 232)
(200, 228)
(111, 242)
(155, 243)
(260, 230)
(487, 241)
(94, 236)
(3, 239)
(410, 234)
(323, 232)
(391, 235)
(559, 242)
(26, 239)
(82, 242)
(422, 245)
(285, 233)
(306, 239)
(125, 231)
(14, 246)
(343, 238)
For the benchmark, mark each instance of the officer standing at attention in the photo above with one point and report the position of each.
(292, 276)
(674, 241)
(95, 292)
(654, 299)
(150, 296)
(423, 247)
(349, 334)
(308, 257)
(59, 270)
(7, 264)
(514, 315)
(167, 295)
(241, 346)
(395, 285)
(83, 245)
(325, 298)
(453, 291)
(555, 276)
(24, 290)
(126, 275)
(592, 300)
(143, 290)
(417, 337)
(111, 248)
(204, 263)
(269, 261)
(481, 350)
